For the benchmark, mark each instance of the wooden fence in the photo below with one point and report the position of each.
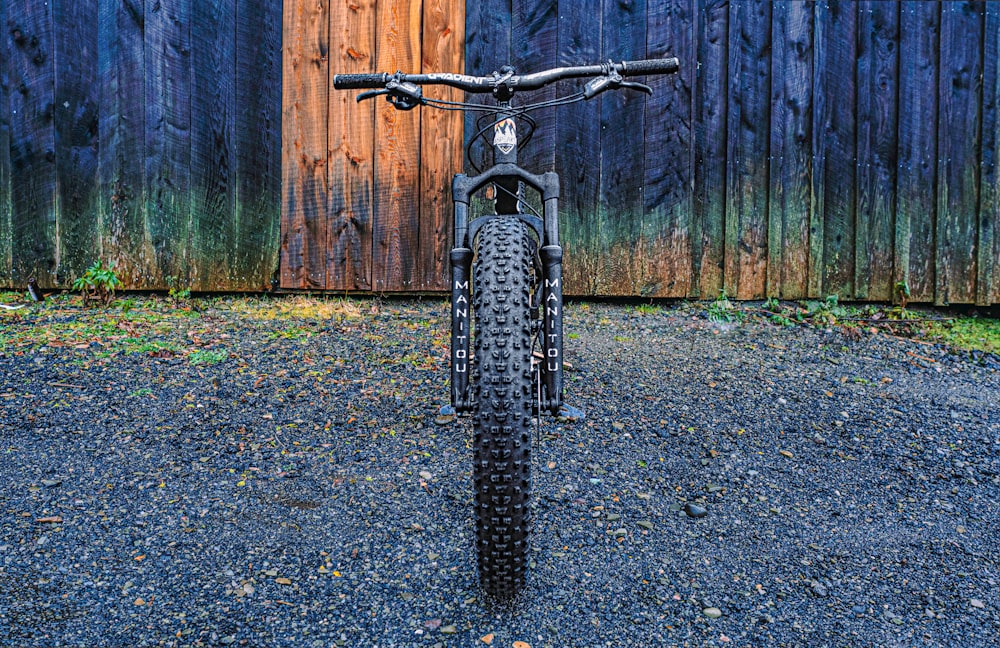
(805, 149)
(145, 133)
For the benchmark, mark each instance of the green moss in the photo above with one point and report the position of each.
(969, 333)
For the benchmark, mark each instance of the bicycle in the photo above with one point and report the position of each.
(512, 261)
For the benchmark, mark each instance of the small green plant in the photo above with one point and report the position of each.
(772, 305)
(903, 292)
(175, 292)
(206, 357)
(648, 309)
(98, 283)
(723, 310)
(127, 305)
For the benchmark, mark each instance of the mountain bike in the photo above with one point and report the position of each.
(506, 270)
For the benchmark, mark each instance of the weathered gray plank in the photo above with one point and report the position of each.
(988, 281)
(959, 123)
(834, 147)
(77, 102)
(747, 156)
(916, 204)
(5, 223)
(878, 65)
(34, 188)
(665, 237)
(622, 153)
(122, 127)
(791, 160)
(710, 132)
(257, 142)
(578, 160)
(168, 88)
(213, 156)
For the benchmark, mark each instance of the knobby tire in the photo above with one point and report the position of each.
(504, 396)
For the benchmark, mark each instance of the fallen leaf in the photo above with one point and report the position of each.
(139, 601)
(521, 644)
(52, 519)
(785, 453)
(487, 639)
(140, 558)
(283, 581)
(432, 624)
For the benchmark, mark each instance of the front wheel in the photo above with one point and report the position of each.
(502, 275)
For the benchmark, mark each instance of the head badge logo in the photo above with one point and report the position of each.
(505, 136)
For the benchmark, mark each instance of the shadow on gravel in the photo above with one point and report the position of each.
(281, 482)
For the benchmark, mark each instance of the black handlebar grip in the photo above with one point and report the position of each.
(652, 66)
(359, 81)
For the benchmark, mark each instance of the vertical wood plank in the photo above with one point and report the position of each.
(352, 150)
(711, 107)
(832, 232)
(213, 158)
(396, 229)
(34, 190)
(578, 160)
(878, 64)
(749, 139)
(254, 256)
(305, 143)
(122, 126)
(487, 48)
(622, 152)
(5, 213)
(988, 283)
(75, 117)
(535, 30)
(665, 238)
(916, 203)
(441, 148)
(168, 137)
(959, 123)
(791, 156)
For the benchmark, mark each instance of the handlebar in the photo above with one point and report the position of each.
(507, 78)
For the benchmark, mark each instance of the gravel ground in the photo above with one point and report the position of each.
(282, 482)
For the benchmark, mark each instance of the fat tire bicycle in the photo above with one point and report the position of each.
(506, 268)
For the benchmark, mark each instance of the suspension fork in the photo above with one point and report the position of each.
(551, 256)
(461, 274)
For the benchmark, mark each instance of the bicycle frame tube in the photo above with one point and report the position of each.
(507, 177)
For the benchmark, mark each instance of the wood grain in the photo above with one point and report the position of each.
(121, 131)
(749, 136)
(959, 124)
(397, 153)
(213, 156)
(877, 114)
(75, 118)
(305, 148)
(577, 153)
(790, 196)
(669, 154)
(622, 153)
(441, 138)
(352, 150)
(257, 141)
(834, 150)
(710, 131)
(5, 208)
(916, 202)
(487, 48)
(988, 281)
(169, 76)
(34, 192)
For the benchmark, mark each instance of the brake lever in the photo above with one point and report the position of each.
(371, 94)
(635, 85)
(612, 81)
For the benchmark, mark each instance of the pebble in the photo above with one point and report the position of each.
(818, 588)
(976, 603)
(425, 475)
(695, 511)
(712, 612)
